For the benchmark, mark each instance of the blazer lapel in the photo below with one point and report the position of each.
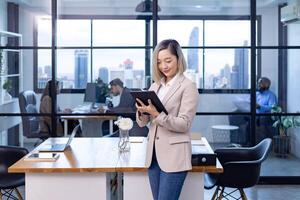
(173, 89)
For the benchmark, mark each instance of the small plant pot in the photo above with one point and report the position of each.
(281, 145)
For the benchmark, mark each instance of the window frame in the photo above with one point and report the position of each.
(148, 46)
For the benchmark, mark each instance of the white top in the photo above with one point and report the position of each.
(164, 88)
(225, 127)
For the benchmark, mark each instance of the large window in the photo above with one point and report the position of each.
(101, 48)
(213, 68)
(92, 49)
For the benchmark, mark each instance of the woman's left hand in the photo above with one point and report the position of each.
(150, 108)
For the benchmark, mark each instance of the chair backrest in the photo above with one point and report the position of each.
(242, 165)
(262, 149)
(8, 156)
(27, 103)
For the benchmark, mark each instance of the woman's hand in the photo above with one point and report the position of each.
(147, 109)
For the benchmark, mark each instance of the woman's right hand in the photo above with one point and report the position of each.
(142, 108)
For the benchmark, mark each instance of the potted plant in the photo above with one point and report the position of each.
(7, 86)
(282, 142)
(1, 61)
(104, 89)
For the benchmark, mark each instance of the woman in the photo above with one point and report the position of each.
(45, 107)
(169, 143)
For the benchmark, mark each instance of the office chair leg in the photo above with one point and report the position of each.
(18, 194)
(243, 195)
(221, 194)
(215, 193)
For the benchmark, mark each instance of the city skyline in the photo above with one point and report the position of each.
(113, 59)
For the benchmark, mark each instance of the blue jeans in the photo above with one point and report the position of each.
(165, 185)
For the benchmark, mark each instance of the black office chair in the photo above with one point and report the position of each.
(241, 169)
(31, 124)
(10, 181)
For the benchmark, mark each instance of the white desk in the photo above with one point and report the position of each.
(86, 117)
(81, 172)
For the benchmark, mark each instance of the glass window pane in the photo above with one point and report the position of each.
(73, 32)
(224, 103)
(224, 130)
(126, 64)
(186, 32)
(118, 32)
(29, 14)
(227, 69)
(227, 32)
(73, 68)
(44, 31)
(44, 69)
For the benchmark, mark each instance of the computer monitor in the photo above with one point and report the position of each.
(93, 94)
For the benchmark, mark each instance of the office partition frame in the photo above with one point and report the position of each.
(282, 80)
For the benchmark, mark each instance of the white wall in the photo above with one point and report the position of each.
(26, 29)
(293, 83)
(269, 37)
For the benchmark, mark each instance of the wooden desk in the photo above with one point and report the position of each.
(81, 172)
(83, 117)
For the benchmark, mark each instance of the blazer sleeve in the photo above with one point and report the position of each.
(141, 119)
(188, 107)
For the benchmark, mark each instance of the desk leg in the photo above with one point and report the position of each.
(137, 186)
(111, 128)
(65, 127)
(60, 186)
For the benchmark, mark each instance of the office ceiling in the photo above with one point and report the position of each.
(128, 6)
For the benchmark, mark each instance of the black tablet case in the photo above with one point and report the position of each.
(145, 95)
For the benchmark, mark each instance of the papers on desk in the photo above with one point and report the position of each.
(136, 139)
(40, 157)
(200, 149)
(198, 142)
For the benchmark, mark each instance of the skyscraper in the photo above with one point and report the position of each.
(192, 54)
(128, 72)
(81, 68)
(240, 70)
(103, 74)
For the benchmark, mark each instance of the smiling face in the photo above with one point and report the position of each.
(167, 64)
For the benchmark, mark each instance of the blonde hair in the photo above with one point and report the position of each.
(175, 50)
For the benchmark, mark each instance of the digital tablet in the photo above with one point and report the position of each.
(145, 95)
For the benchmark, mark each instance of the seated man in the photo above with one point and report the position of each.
(127, 103)
(126, 107)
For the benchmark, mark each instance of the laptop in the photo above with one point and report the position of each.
(59, 147)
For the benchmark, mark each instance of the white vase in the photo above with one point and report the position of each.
(7, 96)
(124, 144)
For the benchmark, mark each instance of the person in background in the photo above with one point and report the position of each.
(127, 103)
(265, 99)
(169, 143)
(45, 107)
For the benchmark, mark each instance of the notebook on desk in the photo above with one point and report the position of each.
(59, 147)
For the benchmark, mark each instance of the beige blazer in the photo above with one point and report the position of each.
(170, 133)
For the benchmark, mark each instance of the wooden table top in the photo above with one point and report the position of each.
(97, 155)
